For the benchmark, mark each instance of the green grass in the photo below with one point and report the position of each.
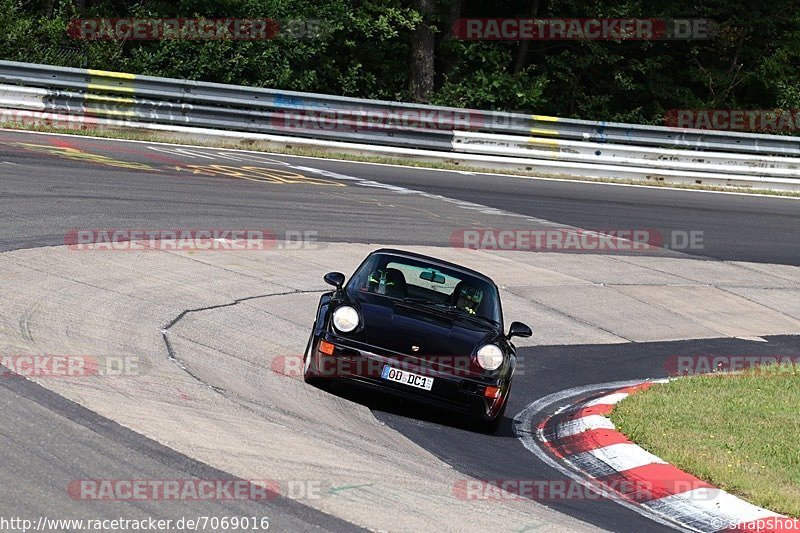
(275, 148)
(739, 432)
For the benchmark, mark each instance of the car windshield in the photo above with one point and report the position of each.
(416, 281)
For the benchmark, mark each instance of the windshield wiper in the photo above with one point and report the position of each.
(453, 310)
(420, 301)
(448, 309)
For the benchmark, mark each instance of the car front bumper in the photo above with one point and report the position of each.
(453, 388)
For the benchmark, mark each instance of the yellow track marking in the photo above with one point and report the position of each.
(77, 155)
(268, 175)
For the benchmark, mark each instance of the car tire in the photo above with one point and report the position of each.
(309, 375)
(490, 427)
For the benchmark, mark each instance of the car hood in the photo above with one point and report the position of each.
(399, 327)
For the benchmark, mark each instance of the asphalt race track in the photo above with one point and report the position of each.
(51, 184)
(50, 432)
(554, 369)
(736, 227)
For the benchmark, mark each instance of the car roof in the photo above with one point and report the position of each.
(433, 261)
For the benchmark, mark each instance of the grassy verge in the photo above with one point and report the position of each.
(262, 146)
(738, 432)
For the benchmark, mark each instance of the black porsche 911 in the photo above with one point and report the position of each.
(420, 327)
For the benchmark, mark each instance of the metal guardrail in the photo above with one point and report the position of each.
(626, 155)
(572, 146)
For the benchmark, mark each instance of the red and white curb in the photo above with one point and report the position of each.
(581, 441)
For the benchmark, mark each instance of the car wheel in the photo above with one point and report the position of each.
(309, 373)
(490, 426)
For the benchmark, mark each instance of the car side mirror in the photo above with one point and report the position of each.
(518, 329)
(334, 278)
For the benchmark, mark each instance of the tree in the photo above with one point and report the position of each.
(422, 71)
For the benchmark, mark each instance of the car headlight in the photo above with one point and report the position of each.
(345, 319)
(490, 357)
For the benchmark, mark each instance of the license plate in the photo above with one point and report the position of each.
(407, 378)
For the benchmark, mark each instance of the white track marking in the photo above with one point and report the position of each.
(624, 456)
(484, 209)
(711, 506)
(610, 399)
(687, 191)
(524, 429)
(704, 509)
(581, 425)
(244, 157)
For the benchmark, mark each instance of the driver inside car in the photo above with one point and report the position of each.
(388, 281)
(467, 297)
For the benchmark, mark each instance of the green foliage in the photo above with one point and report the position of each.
(363, 50)
(483, 80)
